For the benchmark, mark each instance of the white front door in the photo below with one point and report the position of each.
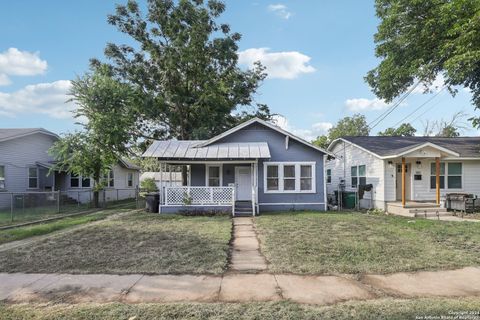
(243, 183)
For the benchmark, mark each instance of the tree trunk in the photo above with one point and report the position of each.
(96, 203)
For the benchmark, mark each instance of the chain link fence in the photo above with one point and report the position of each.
(22, 207)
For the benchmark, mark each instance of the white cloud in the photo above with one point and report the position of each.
(4, 80)
(280, 10)
(14, 62)
(283, 65)
(362, 104)
(317, 129)
(43, 98)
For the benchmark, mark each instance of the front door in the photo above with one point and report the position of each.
(243, 183)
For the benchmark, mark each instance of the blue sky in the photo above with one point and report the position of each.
(316, 52)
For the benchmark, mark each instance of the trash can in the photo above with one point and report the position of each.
(349, 200)
(152, 201)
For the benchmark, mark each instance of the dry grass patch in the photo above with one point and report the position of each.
(322, 243)
(135, 243)
(379, 309)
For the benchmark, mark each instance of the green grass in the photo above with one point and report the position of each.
(50, 211)
(135, 243)
(51, 226)
(320, 243)
(379, 309)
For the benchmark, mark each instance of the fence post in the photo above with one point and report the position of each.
(136, 197)
(58, 201)
(11, 205)
(90, 199)
(117, 194)
(78, 198)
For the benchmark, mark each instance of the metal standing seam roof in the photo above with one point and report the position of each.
(187, 149)
(468, 147)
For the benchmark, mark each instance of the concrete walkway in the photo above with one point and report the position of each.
(321, 290)
(246, 255)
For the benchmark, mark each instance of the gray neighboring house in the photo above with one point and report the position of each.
(252, 168)
(25, 164)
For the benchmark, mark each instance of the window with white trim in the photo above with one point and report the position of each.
(214, 175)
(74, 180)
(454, 175)
(77, 181)
(358, 175)
(450, 175)
(2, 177)
(329, 175)
(129, 179)
(272, 177)
(109, 179)
(33, 178)
(433, 175)
(289, 177)
(306, 177)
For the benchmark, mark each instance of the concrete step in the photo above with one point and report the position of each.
(428, 210)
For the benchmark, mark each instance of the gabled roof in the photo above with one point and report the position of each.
(129, 165)
(389, 147)
(9, 134)
(267, 124)
(189, 149)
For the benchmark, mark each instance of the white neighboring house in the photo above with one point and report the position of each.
(378, 161)
(25, 165)
(158, 177)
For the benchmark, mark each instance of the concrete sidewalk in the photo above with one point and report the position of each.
(233, 287)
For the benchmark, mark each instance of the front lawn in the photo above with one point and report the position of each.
(135, 243)
(379, 309)
(327, 243)
(20, 233)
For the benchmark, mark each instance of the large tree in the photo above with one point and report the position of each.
(355, 125)
(83, 155)
(404, 130)
(105, 108)
(186, 66)
(420, 40)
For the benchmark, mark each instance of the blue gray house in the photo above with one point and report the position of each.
(25, 168)
(252, 168)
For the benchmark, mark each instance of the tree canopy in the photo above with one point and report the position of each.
(421, 40)
(404, 130)
(355, 125)
(185, 64)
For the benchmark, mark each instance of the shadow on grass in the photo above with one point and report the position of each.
(138, 243)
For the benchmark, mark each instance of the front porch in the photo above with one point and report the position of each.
(416, 209)
(227, 186)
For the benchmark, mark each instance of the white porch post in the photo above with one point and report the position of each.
(161, 189)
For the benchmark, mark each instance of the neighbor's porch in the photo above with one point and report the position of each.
(210, 185)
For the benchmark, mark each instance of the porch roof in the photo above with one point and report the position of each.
(190, 149)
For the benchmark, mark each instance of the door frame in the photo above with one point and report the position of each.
(236, 181)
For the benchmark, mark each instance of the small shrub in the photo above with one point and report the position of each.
(203, 213)
(149, 185)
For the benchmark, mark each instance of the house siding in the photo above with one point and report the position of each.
(470, 180)
(348, 155)
(296, 152)
(17, 155)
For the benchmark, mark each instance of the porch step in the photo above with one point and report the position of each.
(420, 210)
(243, 209)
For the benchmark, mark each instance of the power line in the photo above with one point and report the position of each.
(434, 105)
(419, 107)
(393, 107)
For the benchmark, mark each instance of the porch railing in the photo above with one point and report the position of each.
(191, 196)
